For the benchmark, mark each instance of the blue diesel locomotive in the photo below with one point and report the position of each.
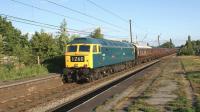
(90, 58)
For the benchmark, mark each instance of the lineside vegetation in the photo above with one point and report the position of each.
(192, 67)
(190, 48)
(25, 55)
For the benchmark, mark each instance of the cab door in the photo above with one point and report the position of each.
(97, 57)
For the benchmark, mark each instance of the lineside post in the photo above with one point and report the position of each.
(130, 30)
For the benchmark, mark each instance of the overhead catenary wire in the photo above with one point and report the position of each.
(56, 13)
(108, 11)
(31, 24)
(28, 20)
(51, 12)
(112, 13)
(87, 15)
(39, 23)
(45, 25)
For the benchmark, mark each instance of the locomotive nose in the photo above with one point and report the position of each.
(78, 61)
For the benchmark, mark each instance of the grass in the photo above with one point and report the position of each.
(9, 72)
(181, 104)
(197, 104)
(192, 67)
(191, 63)
(195, 79)
(140, 105)
(19, 71)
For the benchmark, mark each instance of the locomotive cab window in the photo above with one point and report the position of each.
(72, 48)
(84, 48)
(94, 48)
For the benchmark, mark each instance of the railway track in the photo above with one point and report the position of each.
(72, 105)
(29, 81)
(20, 89)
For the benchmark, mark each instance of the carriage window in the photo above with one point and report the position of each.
(94, 48)
(71, 48)
(84, 48)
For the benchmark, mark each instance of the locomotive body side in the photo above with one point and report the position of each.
(111, 55)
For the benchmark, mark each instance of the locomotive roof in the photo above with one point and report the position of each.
(103, 42)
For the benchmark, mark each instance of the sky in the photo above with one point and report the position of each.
(174, 19)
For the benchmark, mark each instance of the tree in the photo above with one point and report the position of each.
(43, 45)
(97, 33)
(1, 45)
(189, 46)
(167, 45)
(24, 55)
(196, 47)
(12, 37)
(62, 37)
(72, 37)
(10, 34)
(13, 42)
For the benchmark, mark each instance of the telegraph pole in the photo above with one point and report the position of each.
(158, 40)
(131, 30)
(170, 41)
(136, 39)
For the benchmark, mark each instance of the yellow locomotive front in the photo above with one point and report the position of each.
(79, 61)
(78, 56)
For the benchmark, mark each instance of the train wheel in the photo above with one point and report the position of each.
(66, 79)
(99, 75)
(75, 77)
(69, 79)
(91, 78)
(95, 75)
(111, 71)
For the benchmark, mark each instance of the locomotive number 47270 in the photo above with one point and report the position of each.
(77, 59)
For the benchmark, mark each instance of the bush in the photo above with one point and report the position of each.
(186, 51)
(8, 72)
(55, 64)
